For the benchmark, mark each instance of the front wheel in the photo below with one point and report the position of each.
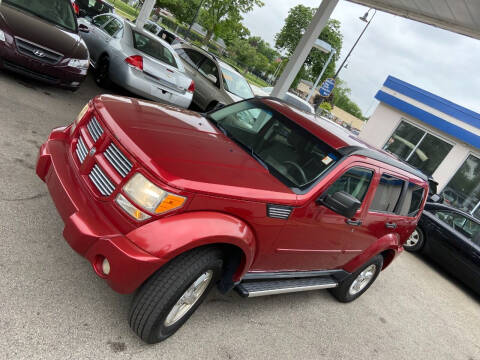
(415, 241)
(102, 73)
(358, 282)
(166, 300)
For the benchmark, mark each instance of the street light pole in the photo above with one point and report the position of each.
(363, 18)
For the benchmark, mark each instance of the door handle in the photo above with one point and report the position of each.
(390, 225)
(353, 222)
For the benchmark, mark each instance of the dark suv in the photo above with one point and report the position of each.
(256, 196)
(40, 39)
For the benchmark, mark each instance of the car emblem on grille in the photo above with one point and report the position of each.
(39, 53)
(92, 151)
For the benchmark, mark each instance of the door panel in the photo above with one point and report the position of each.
(317, 238)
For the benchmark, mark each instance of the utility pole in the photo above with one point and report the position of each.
(363, 18)
(194, 19)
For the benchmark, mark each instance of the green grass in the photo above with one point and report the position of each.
(255, 80)
(124, 9)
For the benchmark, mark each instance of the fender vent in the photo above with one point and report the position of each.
(279, 211)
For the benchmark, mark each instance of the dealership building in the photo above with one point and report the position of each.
(433, 134)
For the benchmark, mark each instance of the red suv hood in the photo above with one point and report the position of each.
(186, 151)
(34, 29)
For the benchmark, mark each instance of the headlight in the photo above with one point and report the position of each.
(150, 197)
(130, 209)
(78, 118)
(2, 35)
(79, 64)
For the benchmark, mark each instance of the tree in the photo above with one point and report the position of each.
(216, 12)
(232, 28)
(342, 100)
(183, 10)
(296, 23)
(325, 106)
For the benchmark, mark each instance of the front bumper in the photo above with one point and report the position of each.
(88, 230)
(59, 74)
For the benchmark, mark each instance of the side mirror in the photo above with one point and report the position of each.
(342, 203)
(212, 78)
(83, 28)
(436, 198)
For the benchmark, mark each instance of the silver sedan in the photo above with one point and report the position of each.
(135, 60)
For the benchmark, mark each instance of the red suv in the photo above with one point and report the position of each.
(256, 196)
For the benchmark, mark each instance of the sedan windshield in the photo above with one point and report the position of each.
(57, 12)
(288, 151)
(236, 84)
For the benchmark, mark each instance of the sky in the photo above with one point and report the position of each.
(442, 62)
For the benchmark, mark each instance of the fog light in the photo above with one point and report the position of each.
(75, 83)
(105, 266)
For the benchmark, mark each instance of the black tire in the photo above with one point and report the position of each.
(159, 294)
(342, 291)
(416, 241)
(101, 74)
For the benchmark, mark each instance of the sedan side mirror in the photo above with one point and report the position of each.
(342, 203)
(83, 28)
(212, 78)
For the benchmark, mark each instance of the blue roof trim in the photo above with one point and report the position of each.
(434, 101)
(426, 117)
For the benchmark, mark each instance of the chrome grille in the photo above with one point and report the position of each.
(118, 160)
(279, 211)
(94, 129)
(81, 150)
(101, 181)
(37, 52)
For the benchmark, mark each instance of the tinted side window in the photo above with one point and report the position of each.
(472, 230)
(191, 56)
(413, 200)
(113, 27)
(208, 67)
(152, 28)
(387, 194)
(354, 182)
(100, 20)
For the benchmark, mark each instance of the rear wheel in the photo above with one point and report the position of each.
(358, 282)
(101, 75)
(166, 300)
(415, 242)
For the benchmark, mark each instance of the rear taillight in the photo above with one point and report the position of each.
(76, 8)
(191, 88)
(135, 61)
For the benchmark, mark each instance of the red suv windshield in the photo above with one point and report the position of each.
(292, 154)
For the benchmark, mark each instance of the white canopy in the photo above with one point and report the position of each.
(460, 16)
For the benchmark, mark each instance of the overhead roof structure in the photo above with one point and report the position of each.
(460, 16)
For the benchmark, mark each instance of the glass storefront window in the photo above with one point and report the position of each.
(419, 148)
(404, 140)
(463, 190)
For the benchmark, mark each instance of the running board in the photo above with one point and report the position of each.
(273, 287)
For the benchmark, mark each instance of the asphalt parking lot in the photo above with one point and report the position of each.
(54, 307)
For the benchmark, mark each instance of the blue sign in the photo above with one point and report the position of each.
(327, 87)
